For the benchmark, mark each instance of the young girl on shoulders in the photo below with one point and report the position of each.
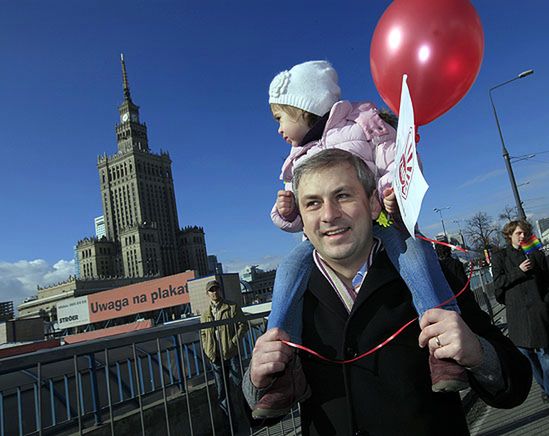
(305, 101)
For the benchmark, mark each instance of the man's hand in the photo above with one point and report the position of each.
(269, 357)
(455, 339)
(527, 265)
(389, 201)
(285, 203)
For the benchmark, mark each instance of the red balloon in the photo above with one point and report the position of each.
(438, 43)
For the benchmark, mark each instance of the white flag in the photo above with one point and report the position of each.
(408, 182)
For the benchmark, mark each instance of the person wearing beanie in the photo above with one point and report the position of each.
(306, 102)
(311, 86)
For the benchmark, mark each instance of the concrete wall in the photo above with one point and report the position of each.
(3, 333)
(22, 330)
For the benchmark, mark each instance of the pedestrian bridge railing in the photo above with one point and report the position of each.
(87, 386)
(154, 381)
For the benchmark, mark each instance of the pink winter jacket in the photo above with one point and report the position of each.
(353, 127)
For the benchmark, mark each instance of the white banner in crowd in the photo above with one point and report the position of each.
(408, 182)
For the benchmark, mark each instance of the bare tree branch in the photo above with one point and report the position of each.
(482, 232)
(508, 214)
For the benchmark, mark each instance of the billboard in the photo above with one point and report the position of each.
(73, 312)
(127, 300)
(110, 331)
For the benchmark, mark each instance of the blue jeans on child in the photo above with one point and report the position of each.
(539, 359)
(414, 259)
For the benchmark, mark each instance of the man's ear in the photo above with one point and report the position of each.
(375, 205)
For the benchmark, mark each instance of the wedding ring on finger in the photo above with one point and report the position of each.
(437, 340)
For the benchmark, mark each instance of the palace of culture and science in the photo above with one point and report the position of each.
(142, 238)
(139, 209)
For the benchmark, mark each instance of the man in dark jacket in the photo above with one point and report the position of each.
(389, 391)
(522, 284)
(451, 267)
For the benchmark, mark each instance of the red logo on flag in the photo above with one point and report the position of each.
(405, 167)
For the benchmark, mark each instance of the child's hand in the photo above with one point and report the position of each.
(389, 201)
(285, 203)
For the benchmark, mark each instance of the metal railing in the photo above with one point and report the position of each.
(102, 383)
(483, 289)
(150, 381)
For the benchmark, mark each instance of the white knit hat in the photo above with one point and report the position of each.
(310, 86)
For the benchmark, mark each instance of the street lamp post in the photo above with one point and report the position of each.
(505, 153)
(439, 210)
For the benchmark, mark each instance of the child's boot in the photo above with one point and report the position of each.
(286, 391)
(447, 375)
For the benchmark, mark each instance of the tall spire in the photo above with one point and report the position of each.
(127, 95)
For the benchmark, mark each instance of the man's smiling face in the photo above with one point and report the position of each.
(337, 215)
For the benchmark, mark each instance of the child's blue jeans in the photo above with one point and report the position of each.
(414, 259)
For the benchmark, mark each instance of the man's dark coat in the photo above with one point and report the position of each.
(388, 392)
(525, 295)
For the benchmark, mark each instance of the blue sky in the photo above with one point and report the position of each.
(200, 71)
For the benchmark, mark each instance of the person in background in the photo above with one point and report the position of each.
(452, 268)
(522, 283)
(221, 344)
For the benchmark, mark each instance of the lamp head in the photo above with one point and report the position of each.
(525, 73)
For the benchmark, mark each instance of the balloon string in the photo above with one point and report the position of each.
(401, 329)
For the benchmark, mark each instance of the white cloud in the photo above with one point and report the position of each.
(265, 263)
(18, 280)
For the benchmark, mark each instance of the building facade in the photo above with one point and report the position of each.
(214, 266)
(543, 230)
(6, 310)
(46, 298)
(261, 284)
(139, 209)
(99, 223)
(193, 246)
(138, 236)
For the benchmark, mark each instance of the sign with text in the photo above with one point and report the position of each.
(140, 297)
(73, 312)
(127, 300)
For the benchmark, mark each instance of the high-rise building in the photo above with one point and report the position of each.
(6, 310)
(193, 245)
(214, 266)
(543, 230)
(100, 227)
(138, 235)
(139, 208)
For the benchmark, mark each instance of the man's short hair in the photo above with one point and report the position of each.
(331, 158)
(511, 226)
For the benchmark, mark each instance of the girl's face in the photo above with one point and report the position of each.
(293, 131)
